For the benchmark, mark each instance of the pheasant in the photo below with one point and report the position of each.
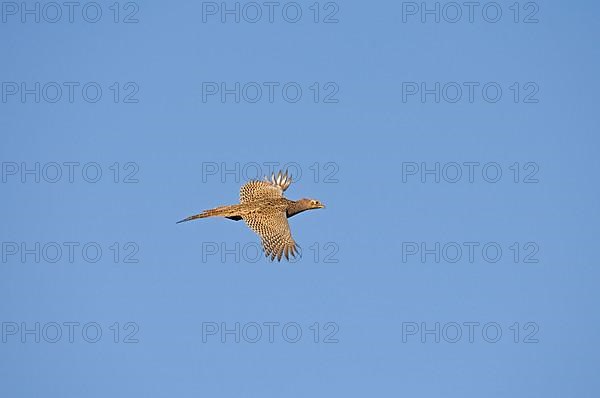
(265, 210)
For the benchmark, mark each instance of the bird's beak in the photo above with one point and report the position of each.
(321, 206)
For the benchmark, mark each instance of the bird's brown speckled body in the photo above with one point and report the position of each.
(265, 210)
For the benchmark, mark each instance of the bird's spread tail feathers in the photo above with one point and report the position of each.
(221, 211)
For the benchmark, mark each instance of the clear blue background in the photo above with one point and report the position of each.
(370, 292)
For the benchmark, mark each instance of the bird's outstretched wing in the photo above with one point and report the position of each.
(274, 231)
(268, 189)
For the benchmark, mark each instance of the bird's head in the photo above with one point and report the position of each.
(314, 204)
(309, 204)
(304, 204)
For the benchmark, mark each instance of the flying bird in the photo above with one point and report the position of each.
(265, 210)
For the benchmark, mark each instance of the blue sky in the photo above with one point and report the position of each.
(479, 284)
